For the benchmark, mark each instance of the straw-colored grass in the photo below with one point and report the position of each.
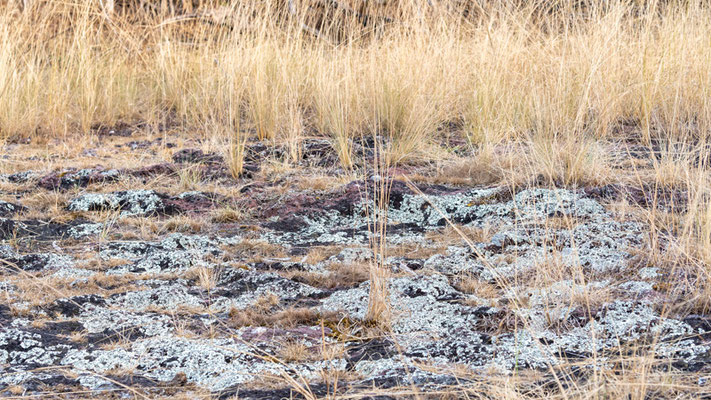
(506, 75)
(563, 83)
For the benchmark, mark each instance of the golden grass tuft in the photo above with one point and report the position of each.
(266, 312)
(541, 92)
(503, 75)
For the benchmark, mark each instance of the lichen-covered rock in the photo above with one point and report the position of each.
(429, 323)
(40, 230)
(21, 177)
(77, 178)
(175, 252)
(595, 240)
(88, 229)
(237, 288)
(9, 209)
(159, 314)
(129, 202)
(33, 262)
(402, 371)
(165, 295)
(141, 202)
(417, 298)
(30, 348)
(97, 319)
(430, 327)
(456, 260)
(195, 156)
(215, 364)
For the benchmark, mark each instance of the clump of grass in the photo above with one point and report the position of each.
(569, 162)
(379, 311)
(205, 277)
(340, 275)
(472, 285)
(189, 178)
(501, 73)
(227, 215)
(266, 312)
(680, 228)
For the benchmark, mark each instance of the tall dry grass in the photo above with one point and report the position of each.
(508, 74)
(562, 83)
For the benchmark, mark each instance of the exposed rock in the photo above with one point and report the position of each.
(141, 202)
(211, 363)
(159, 311)
(121, 130)
(195, 156)
(192, 202)
(9, 209)
(74, 306)
(154, 170)
(77, 178)
(32, 262)
(175, 252)
(22, 177)
(130, 202)
(40, 230)
(649, 196)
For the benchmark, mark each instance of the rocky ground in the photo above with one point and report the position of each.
(163, 276)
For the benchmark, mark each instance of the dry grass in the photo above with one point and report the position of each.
(295, 351)
(39, 291)
(538, 97)
(182, 223)
(266, 312)
(189, 178)
(341, 275)
(317, 254)
(484, 170)
(255, 250)
(505, 76)
(451, 235)
(227, 215)
(205, 277)
(472, 285)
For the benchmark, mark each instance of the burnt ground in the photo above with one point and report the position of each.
(151, 271)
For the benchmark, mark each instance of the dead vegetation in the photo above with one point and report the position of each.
(341, 275)
(267, 312)
(560, 99)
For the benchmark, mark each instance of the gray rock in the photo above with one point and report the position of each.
(8, 209)
(130, 202)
